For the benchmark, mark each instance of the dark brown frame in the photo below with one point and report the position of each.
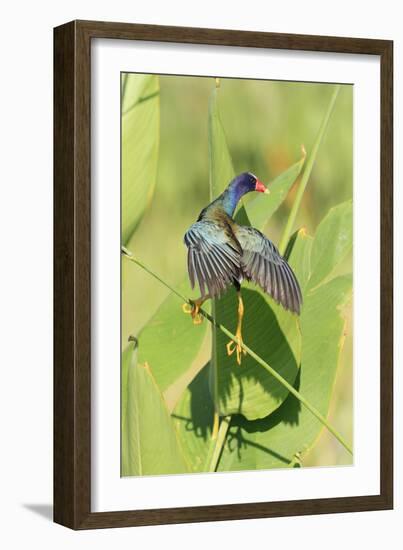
(72, 269)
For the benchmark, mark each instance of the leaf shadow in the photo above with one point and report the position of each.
(288, 413)
(262, 333)
(240, 435)
(237, 442)
(201, 405)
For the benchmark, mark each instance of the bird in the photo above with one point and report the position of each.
(222, 253)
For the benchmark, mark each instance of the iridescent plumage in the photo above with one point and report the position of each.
(222, 252)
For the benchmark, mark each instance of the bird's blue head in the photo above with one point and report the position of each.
(239, 186)
(246, 182)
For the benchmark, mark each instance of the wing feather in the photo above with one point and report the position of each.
(200, 278)
(191, 269)
(263, 264)
(214, 257)
(275, 282)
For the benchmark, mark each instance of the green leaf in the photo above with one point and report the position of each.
(307, 171)
(333, 240)
(298, 254)
(134, 87)
(128, 357)
(261, 207)
(193, 418)
(140, 138)
(150, 443)
(269, 330)
(170, 342)
(278, 440)
(273, 334)
(295, 251)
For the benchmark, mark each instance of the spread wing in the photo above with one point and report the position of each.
(263, 264)
(214, 257)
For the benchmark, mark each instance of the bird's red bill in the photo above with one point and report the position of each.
(260, 187)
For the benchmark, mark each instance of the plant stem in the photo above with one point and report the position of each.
(214, 374)
(129, 256)
(219, 443)
(214, 126)
(306, 173)
(256, 357)
(215, 446)
(216, 423)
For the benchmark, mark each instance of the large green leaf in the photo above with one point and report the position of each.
(333, 240)
(278, 440)
(170, 342)
(261, 207)
(269, 330)
(274, 335)
(150, 443)
(140, 138)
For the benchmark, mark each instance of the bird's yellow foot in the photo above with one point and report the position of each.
(236, 346)
(194, 310)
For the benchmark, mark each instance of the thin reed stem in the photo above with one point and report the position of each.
(306, 173)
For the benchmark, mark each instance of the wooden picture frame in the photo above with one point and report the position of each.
(72, 274)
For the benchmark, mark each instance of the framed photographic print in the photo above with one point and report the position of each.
(222, 275)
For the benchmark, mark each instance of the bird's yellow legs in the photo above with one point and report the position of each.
(235, 345)
(194, 309)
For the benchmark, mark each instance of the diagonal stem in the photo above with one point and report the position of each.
(257, 358)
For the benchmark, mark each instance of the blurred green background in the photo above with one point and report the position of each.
(266, 123)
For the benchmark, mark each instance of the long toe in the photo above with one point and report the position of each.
(197, 318)
(236, 346)
(230, 347)
(187, 308)
(239, 352)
